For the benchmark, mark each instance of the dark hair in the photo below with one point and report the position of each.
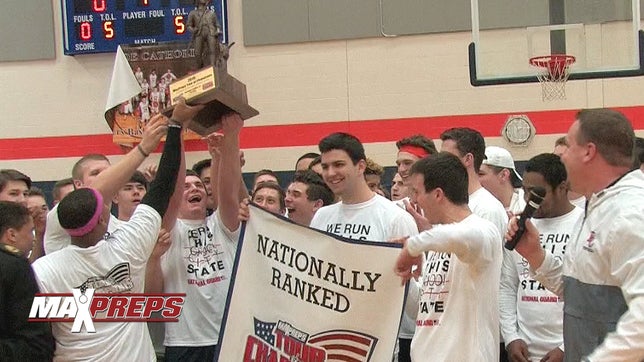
(77, 208)
(7, 175)
(192, 173)
(611, 133)
(561, 141)
(467, 141)
(59, 185)
(316, 161)
(36, 191)
(199, 166)
(274, 186)
(418, 140)
(550, 167)
(77, 170)
(344, 142)
(445, 171)
(311, 155)
(317, 189)
(264, 172)
(138, 177)
(12, 216)
(638, 153)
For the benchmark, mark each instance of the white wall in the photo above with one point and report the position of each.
(335, 81)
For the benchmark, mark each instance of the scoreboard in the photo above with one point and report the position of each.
(100, 26)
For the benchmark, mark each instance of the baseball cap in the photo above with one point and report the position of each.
(500, 157)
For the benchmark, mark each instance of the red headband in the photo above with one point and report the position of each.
(91, 224)
(414, 150)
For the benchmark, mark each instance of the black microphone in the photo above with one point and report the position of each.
(536, 197)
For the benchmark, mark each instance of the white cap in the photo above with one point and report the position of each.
(500, 157)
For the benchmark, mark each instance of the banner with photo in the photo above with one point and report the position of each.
(298, 294)
(139, 88)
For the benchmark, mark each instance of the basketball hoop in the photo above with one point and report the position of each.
(553, 75)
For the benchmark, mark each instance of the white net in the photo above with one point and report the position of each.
(553, 75)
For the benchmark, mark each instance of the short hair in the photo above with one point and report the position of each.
(550, 167)
(638, 153)
(77, 170)
(610, 131)
(12, 216)
(311, 155)
(59, 185)
(418, 140)
(561, 141)
(36, 191)
(77, 208)
(192, 173)
(445, 171)
(317, 189)
(344, 142)
(138, 177)
(199, 166)
(264, 172)
(467, 141)
(7, 175)
(373, 168)
(316, 161)
(514, 179)
(274, 186)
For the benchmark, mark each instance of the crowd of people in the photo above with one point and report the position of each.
(572, 289)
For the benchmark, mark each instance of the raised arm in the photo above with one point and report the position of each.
(214, 141)
(164, 184)
(111, 180)
(230, 172)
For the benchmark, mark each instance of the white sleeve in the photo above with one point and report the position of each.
(55, 237)
(627, 266)
(463, 239)
(550, 274)
(508, 298)
(137, 237)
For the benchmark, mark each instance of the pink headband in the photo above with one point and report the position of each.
(414, 150)
(91, 224)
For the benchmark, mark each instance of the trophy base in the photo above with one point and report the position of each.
(228, 95)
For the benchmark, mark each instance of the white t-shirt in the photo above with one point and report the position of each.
(485, 205)
(57, 238)
(377, 219)
(458, 314)
(124, 253)
(199, 263)
(528, 310)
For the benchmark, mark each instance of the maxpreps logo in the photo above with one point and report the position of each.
(83, 307)
(281, 342)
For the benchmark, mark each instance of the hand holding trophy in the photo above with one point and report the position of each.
(211, 85)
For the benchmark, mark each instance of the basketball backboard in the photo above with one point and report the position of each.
(603, 36)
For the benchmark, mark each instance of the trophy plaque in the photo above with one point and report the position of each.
(218, 90)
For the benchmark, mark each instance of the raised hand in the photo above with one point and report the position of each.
(214, 141)
(231, 123)
(153, 132)
(184, 113)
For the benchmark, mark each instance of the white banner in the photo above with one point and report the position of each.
(298, 294)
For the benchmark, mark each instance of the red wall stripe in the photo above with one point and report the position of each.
(288, 135)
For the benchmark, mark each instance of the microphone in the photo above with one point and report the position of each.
(536, 197)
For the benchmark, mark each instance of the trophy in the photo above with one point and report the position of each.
(212, 86)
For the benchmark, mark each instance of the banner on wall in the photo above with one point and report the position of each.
(139, 88)
(298, 294)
